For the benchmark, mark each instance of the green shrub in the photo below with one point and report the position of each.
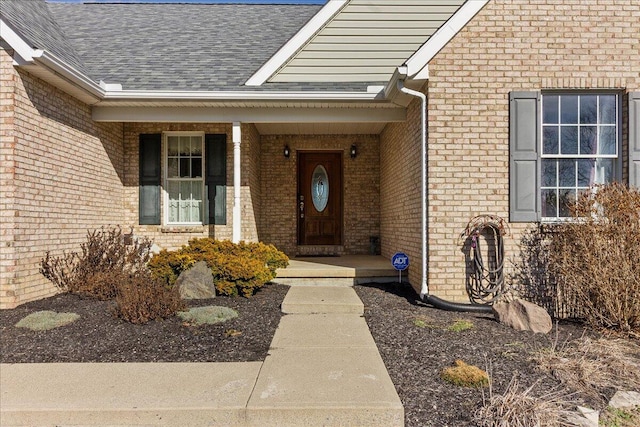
(143, 298)
(237, 268)
(104, 260)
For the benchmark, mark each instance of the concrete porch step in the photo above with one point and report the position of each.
(336, 271)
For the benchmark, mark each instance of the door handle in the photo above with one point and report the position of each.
(301, 209)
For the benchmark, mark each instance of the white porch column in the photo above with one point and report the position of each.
(237, 162)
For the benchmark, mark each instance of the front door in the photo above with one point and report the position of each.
(319, 198)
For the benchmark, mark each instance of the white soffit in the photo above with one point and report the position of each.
(366, 40)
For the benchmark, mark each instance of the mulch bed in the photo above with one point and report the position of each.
(98, 336)
(413, 339)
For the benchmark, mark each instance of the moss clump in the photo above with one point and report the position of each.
(460, 325)
(45, 320)
(465, 375)
(208, 315)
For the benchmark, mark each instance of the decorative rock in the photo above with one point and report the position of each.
(585, 417)
(523, 316)
(625, 400)
(196, 282)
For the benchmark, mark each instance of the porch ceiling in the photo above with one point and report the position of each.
(320, 128)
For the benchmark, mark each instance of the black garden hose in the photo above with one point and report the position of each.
(454, 306)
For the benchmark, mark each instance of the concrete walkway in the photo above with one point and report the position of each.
(323, 369)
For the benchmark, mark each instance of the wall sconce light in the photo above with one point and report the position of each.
(287, 151)
(353, 151)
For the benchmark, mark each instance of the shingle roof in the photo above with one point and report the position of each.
(194, 47)
(35, 24)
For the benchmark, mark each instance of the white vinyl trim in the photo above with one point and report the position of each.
(296, 42)
(22, 48)
(417, 63)
(239, 95)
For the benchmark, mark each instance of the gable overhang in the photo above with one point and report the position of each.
(417, 65)
(294, 44)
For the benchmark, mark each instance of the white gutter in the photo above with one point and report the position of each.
(239, 95)
(21, 47)
(424, 288)
(68, 72)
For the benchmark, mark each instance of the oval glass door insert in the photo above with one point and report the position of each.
(320, 188)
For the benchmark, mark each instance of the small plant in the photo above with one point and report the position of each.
(460, 325)
(208, 315)
(422, 321)
(591, 367)
(615, 417)
(45, 320)
(105, 260)
(465, 375)
(142, 298)
(518, 407)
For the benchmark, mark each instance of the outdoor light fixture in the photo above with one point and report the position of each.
(287, 151)
(353, 151)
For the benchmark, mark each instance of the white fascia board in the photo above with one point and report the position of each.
(51, 62)
(417, 63)
(248, 115)
(125, 95)
(21, 47)
(294, 44)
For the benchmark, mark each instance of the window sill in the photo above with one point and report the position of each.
(195, 229)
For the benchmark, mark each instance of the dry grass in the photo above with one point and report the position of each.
(518, 407)
(593, 367)
(465, 375)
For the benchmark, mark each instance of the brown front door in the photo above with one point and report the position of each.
(319, 198)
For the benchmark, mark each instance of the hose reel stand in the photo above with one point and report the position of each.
(485, 280)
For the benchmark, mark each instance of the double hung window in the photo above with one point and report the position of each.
(184, 178)
(580, 147)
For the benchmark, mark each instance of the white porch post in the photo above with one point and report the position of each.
(237, 161)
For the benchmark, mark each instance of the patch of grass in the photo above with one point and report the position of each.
(592, 367)
(423, 322)
(46, 320)
(517, 407)
(460, 325)
(614, 417)
(232, 333)
(465, 375)
(207, 315)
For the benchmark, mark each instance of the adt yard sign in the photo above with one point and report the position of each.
(400, 261)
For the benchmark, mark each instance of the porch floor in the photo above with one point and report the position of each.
(344, 270)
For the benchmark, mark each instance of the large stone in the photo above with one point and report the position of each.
(196, 282)
(523, 316)
(625, 400)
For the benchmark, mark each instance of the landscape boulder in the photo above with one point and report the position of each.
(523, 316)
(196, 282)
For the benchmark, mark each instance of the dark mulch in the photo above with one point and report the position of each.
(414, 355)
(98, 336)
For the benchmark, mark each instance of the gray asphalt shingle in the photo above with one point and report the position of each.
(204, 47)
(35, 24)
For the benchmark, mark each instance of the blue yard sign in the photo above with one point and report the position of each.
(400, 262)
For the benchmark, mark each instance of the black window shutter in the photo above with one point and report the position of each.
(524, 157)
(149, 195)
(634, 139)
(216, 178)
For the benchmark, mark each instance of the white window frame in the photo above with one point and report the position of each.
(166, 179)
(617, 164)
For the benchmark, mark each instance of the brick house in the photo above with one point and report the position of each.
(182, 121)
